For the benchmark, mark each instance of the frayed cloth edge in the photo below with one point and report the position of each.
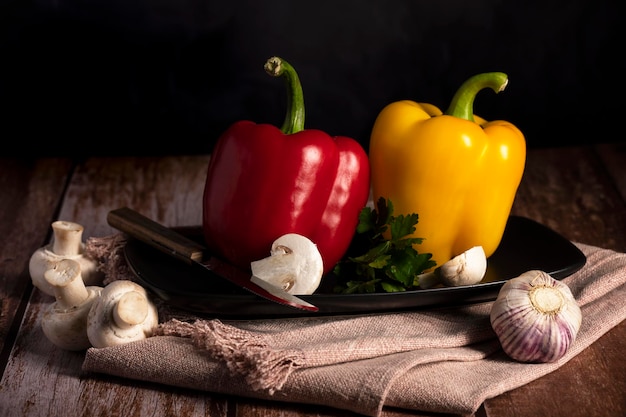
(108, 251)
(244, 353)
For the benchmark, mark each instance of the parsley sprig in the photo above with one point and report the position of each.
(377, 264)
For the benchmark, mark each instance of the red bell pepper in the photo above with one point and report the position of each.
(263, 182)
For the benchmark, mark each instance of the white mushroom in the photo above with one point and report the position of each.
(65, 321)
(122, 314)
(467, 268)
(295, 265)
(66, 244)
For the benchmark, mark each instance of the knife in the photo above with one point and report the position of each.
(180, 247)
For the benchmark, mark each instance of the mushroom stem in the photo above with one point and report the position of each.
(130, 310)
(68, 238)
(65, 321)
(123, 313)
(66, 280)
(66, 244)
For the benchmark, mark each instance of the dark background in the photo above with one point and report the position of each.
(112, 77)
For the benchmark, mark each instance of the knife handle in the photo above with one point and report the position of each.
(156, 235)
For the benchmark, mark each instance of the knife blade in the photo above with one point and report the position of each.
(186, 250)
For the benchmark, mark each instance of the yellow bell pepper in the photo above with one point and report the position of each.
(457, 171)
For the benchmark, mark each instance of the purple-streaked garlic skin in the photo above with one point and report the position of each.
(535, 317)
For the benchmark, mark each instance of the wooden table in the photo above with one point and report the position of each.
(579, 192)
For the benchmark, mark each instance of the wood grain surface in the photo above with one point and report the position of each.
(580, 192)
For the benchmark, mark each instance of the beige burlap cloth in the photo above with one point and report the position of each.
(436, 360)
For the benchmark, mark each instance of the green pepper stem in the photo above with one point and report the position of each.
(294, 119)
(462, 104)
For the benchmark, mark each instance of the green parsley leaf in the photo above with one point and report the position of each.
(377, 264)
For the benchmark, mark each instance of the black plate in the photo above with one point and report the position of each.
(526, 245)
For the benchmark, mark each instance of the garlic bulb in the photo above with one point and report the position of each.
(535, 317)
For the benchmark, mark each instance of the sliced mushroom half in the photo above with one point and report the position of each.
(295, 265)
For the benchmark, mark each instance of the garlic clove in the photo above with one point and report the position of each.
(295, 265)
(535, 317)
(468, 268)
